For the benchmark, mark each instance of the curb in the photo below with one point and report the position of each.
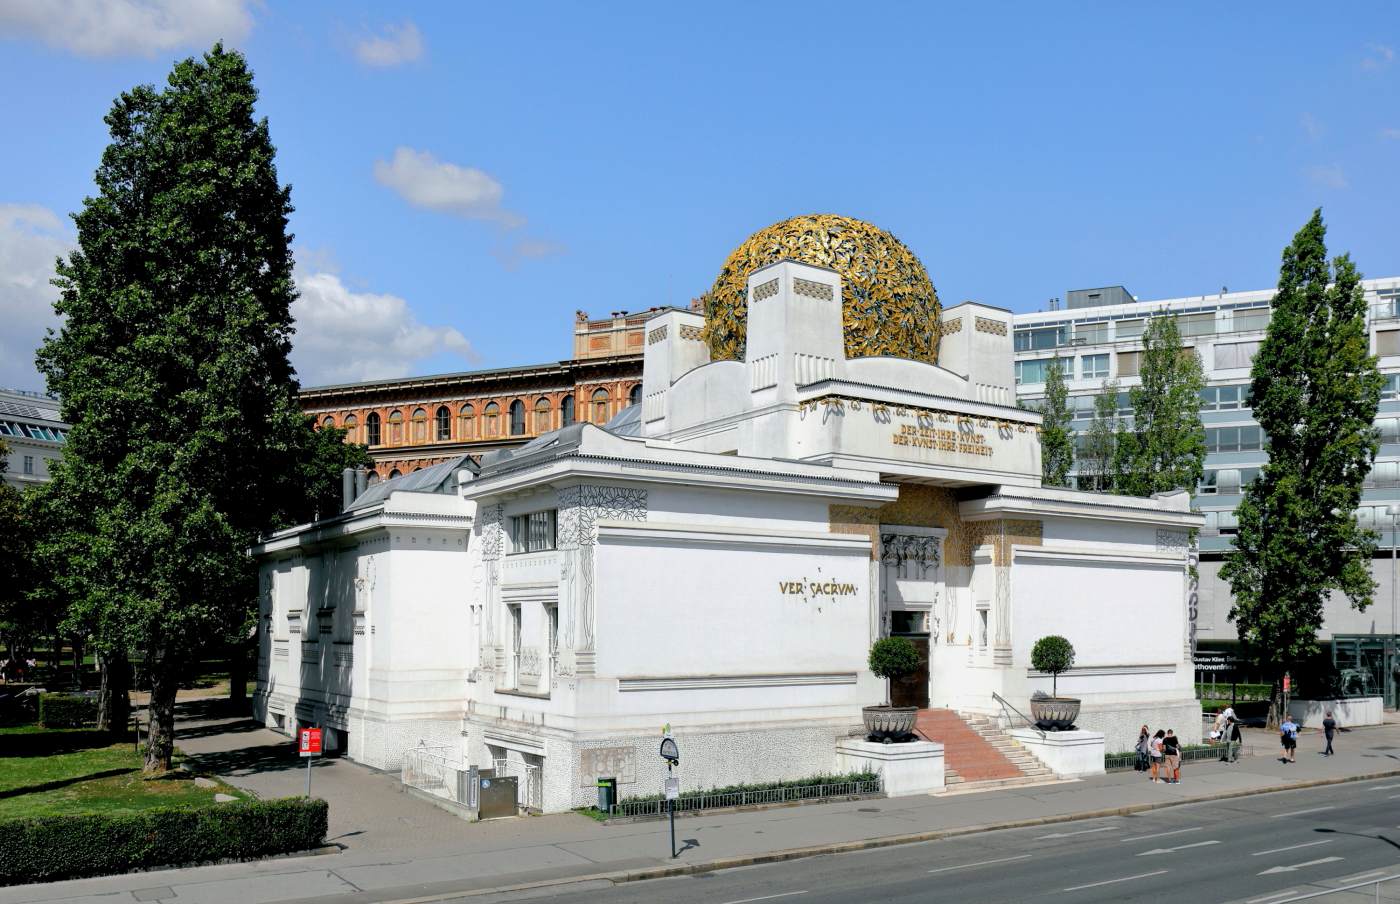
(709, 866)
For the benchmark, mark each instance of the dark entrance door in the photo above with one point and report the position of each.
(912, 690)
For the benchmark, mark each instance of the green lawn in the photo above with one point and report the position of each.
(63, 775)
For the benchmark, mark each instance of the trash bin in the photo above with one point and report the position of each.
(607, 794)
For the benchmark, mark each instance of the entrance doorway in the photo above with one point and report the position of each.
(912, 689)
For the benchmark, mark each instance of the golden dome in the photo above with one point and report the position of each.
(888, 304)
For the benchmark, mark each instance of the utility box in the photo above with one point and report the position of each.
(607, 794)
(498, 796)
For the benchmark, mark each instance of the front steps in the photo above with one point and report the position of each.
(977, 754)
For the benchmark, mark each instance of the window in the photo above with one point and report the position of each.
(634, 395)
(1235, 354)
(600, 406)
(1129, 363)
(551, 613)
(517, 418)
(493, 418)
(1225, 398)
(541, 415)
(1234, 439)
(328, 421)
(1032, 371)
(1091, 333)
(1196, 325)
(420, 425)
(443, 420)
(1384, 474)
(513, 612)
(372, 429)
(982, 617)
(1093, 366)
(1251, 320)
(566, 410)
(394, 473)
(466, 423)
(395, 427)
(1388, 342)
(1039, 338)
(1129, 329)
(1391, 389)
(1389, 428)
(534, 532)
(29, 464)
(372, 477)
(352, 425)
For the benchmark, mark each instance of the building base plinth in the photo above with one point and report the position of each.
(904, 769)
(1068, 754)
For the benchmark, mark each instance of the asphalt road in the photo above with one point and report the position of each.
(1262, 849)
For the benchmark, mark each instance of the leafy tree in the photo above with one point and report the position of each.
(172, 366)
(1096, 459)
(16, 618)
(893, 657)
(1056, 437)
(1165, 448)
(1053, 655)
(1315, 392)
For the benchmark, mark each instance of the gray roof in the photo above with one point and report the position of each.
(627, 422)
(440, 478)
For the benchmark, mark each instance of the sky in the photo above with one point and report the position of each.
(467, 175)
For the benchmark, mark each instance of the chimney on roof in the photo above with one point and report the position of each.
(347, 488)
(361, 481)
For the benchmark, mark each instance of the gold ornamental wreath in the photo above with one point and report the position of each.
(888, 304)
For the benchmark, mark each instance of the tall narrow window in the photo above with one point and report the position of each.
(420, 425)
(600, 406)
(566, 411)
(372, 429)
(517, 418)
(634, 395)
(542, 415)
(466, 426)
(492, 413)
(443, 420)
(396, 427)
(352, 428)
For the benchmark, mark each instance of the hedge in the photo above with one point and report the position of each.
(67, 710)
(50, 848)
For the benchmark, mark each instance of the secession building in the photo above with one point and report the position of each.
(416, 422)
(824, 458)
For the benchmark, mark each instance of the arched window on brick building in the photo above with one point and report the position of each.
(466, 426)
(542, 424)
(634, 395)
(394, 473)
(352, 428)
(600, 406)
(420, 425)
(328, 421)
(493, 419)
(517, 418)
(372, 477)
(372, 437)
(395, 427)
(566, 411)
(444, 424)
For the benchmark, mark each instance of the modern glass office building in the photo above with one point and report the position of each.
(1097, 335)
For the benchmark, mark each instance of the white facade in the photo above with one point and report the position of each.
(30, 427)
(719, 560)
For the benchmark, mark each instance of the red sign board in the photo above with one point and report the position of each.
(1287, 683)
(310, 742)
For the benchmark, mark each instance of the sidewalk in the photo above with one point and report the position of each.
(397, 847)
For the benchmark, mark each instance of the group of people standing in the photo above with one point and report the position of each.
(1160, 754)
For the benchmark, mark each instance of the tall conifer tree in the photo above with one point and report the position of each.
(172, 366)
(1056, 437)
(1165, 447)
(1096, 470)
(1315, 392)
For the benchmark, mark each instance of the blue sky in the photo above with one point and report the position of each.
(467, 175)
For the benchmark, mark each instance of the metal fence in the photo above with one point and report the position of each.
(1364, 892)
(529, 778)
(433, 770)
(1118, 762)
(716, 800)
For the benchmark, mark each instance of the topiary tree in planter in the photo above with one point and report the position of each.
(1052, 654)
(891, 658)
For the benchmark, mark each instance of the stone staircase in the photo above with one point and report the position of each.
(976, 753)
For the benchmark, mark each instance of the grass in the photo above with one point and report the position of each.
(59, 778)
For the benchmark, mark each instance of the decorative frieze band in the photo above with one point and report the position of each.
(656, 335)
(812, 289)
(994, 327)
(765, 290)
(691, 333)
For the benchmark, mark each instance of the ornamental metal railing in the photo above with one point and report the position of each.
(686, 803)
(1118, 762)
(435, 771)
(1007, 709)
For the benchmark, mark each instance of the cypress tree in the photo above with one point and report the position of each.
(1165, 448)
(1056, 437)
(1315, 389)
(1096, 470)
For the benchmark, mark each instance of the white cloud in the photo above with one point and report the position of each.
(1378, 57)
(344, 336)
(1311, 127)
(31, 238)
(424, 181)
(100, 28)
(1329, 176)
(398, 44)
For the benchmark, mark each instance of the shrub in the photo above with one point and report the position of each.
(71, 847)
(893, 657)
(67, 710)
(1052, 654)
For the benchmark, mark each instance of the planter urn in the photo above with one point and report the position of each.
(1055, 713)
(889, 723)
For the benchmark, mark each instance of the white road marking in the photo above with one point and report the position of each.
(1080, 832)
(1181, 847)
(786, 894)
(1301, 812)
(1392, 796)
(1112, 881)
(982, 863)
(1383, 787)
(1276, 896)
(1361, 876)
(1297, 866)
(1291, 847)
(1155, 835)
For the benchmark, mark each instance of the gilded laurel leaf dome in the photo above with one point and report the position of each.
(888, 303)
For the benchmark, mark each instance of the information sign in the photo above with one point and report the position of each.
(673, 788)
(310, 743)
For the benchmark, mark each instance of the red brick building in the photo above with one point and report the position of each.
(414, 422)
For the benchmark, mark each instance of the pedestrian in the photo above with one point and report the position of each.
(1288, 735)
(1144, 743)
(1329, 728)
(1234, 740)
(1171, 756)
(1154, 751)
